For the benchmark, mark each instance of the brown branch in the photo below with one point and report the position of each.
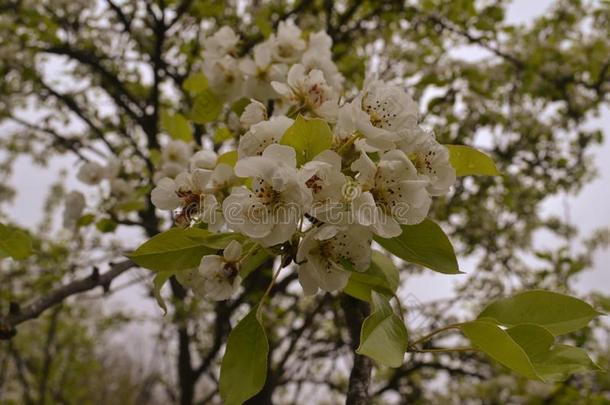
(20, 371)
(48, 355)
(31, 311)
(115, 88)
(360, 377)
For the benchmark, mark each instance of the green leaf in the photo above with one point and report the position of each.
(179, 249)
(106, 225)
(229, 158)
(240, 105)
(425, 244)
(176, 126)
(155, 157)
(534, 339)
(556, 312)
(158, 282)
(381, 276)
(552, 363)
(244, 367)
(206, 107)
(254, 260)
(14, 243)
(562, 361)
(309, 137)
(131, 205)
(222, 134)
(383, 336)
(195, 83)
(500, 346)
(262, 19)
(469, 161)
(85, 220)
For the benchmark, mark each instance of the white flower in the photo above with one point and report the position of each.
(113, 168)
(431, 159)
(271, 211)
(319, 56)
(224, 77)
(204, 159)
(170, 194)
(73, 209)
(91, 173)
(168, 169)
(164, 196)
(389, 107)
(222, 177)
(287, 44)
(261, 71)
(400, 196)
(353, 121)
(309, 90)
(217, 277)
(323, 177)
(120, 188)
(177, 152)
(326, 252)
(223, 42)
(254, 113)
(261, 135)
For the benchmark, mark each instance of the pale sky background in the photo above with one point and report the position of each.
(589, 210)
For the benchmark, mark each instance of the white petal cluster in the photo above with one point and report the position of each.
(73, 208)
(117, 184)
(378, 173)
(217, 277)
(287, 66)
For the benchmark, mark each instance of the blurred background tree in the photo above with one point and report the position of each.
(95, 77)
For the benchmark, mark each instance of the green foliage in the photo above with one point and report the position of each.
(552, 362)
(383, 336)
(85, 220)
(497, 344)
(529, 350)
(425, 244)
(244, 366)
(382, 276)
(14, 243)
(195, 83)
(229, 158)
(222, 134)
(308, 137)
(528, 345)
(469, 161)
(179, 249)
(256, 257)
(106, 225)
(556, 312)
(176, 126)
(206, 107)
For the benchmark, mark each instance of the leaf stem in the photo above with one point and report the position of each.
(445, 350)
(434, 333)
(268, 290)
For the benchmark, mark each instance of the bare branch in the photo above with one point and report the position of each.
(31, 311)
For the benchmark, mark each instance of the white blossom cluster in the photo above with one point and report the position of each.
(379, 173)
(120, 187)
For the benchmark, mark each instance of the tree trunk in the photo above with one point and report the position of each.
(360, 377)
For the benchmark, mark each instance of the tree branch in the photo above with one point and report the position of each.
(19, 315)
(360, 377)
